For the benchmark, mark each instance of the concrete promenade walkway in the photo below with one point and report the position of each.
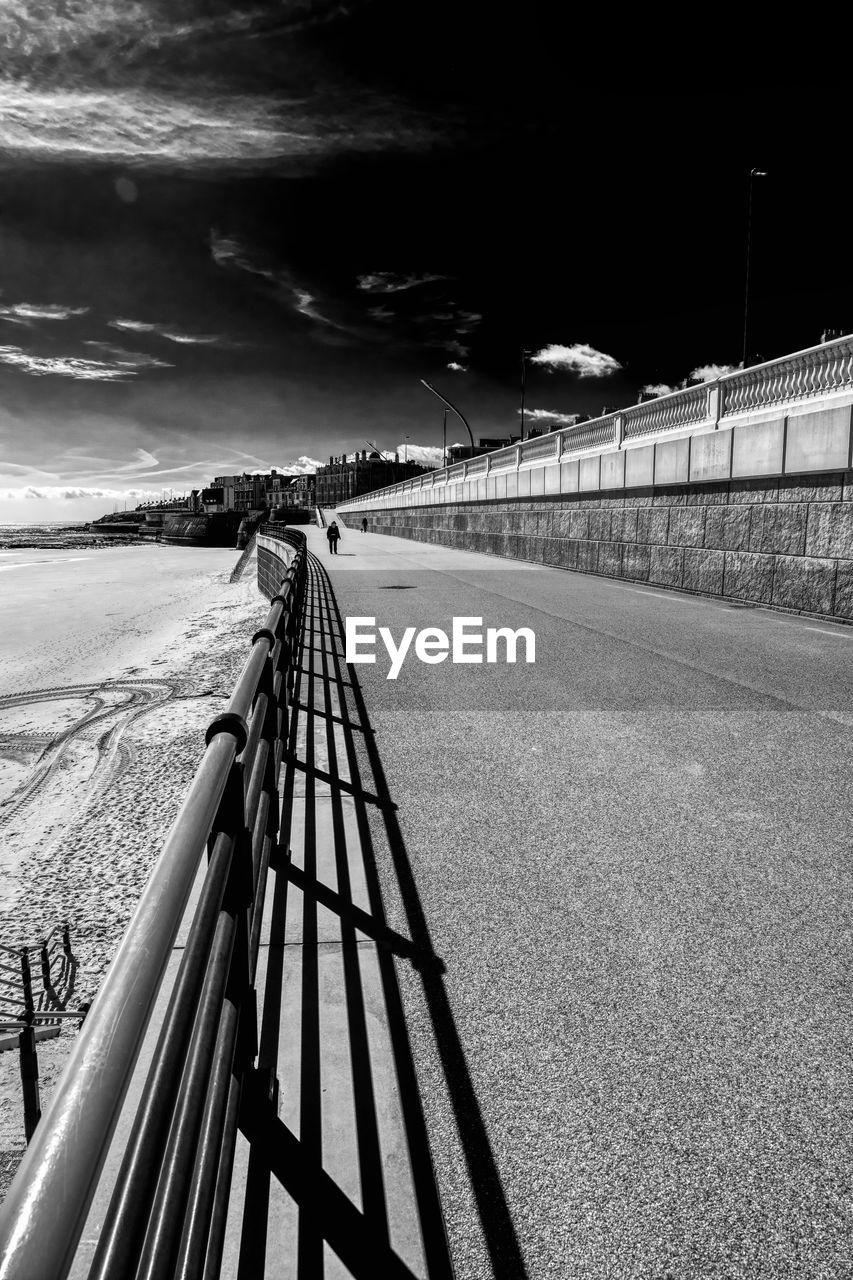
(632, 863)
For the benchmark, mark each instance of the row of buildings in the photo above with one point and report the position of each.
(343, 478)
(340, 480)
(254, 492)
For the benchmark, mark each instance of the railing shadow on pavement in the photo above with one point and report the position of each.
(295, 1142)
(331, 706)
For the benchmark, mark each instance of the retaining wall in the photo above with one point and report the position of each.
(274, 557)
(783, 541)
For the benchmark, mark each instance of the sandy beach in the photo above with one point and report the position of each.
(112, 663)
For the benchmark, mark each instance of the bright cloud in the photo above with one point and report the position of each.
(580, 358)
(427, 455)
(708, 372)
(457, 368)
(656, 389)
(301, 466)
(550, 415)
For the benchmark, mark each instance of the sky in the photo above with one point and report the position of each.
(237, 237)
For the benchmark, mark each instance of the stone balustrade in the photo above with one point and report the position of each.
(784, 397)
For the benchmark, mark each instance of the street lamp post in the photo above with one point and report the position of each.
(753, 173)
(451, 406)
(406, 450)
(444, 439)
(524, 355)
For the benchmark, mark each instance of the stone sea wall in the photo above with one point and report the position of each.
(783, 541)
(274, 558)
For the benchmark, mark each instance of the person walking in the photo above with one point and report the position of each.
(333, 533)
(364, 524)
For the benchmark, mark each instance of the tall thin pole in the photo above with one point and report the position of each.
(753, 173)
(523, 381)
(444, 439)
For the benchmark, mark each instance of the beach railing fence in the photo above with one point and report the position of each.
(36, 983)
(169, 1199)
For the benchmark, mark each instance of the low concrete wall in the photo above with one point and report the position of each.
(274, 557)
(783, 541)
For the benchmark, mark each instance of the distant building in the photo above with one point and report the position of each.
(250, 492)
(300, 491)
(342, 480)
(225, 486)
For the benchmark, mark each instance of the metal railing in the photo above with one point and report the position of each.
(53, 959)
(25, 1002)
(167, 1212)
(820, 370)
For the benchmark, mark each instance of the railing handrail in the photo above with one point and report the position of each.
(47, 1203)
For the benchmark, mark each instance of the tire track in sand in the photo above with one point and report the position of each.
(117, 704)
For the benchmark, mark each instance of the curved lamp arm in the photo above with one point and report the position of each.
(450, 406)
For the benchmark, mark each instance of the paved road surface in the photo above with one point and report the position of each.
(633, 859)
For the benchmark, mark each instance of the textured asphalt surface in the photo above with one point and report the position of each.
(633, 859)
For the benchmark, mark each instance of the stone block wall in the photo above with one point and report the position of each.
(273, 562)
(779, 541)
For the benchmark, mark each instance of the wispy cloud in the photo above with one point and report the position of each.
(708, 372)
(229, 251)
(134, 326)
(389, 282)
(138, 125)
(232, 254)
(196, 339)
(452, 346)
(134, 360)
(168, 331)
(580, 358)
(25, 311)
(63, 366)
(52, 492)
(140, 83)
(467, 321)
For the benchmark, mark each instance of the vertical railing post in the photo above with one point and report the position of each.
(28, 1055)
(44, 956)
(715, 402)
